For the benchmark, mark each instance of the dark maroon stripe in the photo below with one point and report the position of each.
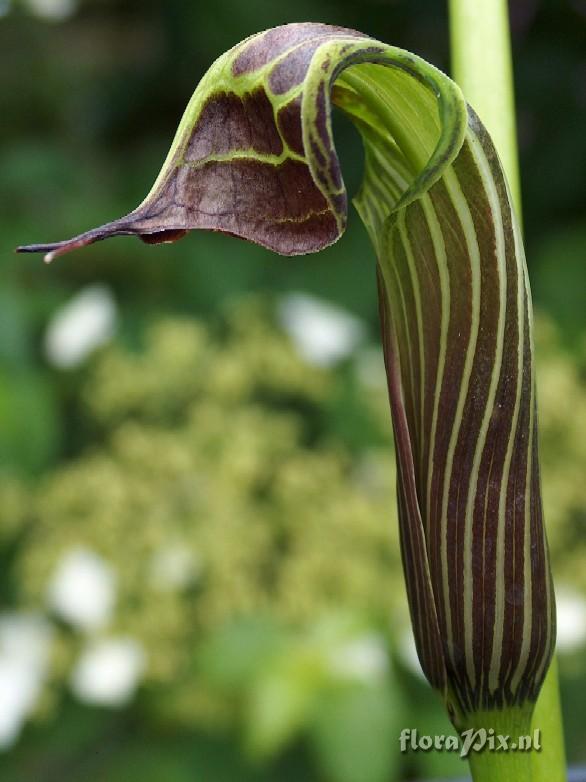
(515, 524)
(421, 602)
(261, 49)
(430, 294)
(457, 343)
(486, 518)
(409, 345)
(543, 632)
(478, 389)
(403, 329)
(289, 123)
(292, 69)
(230, 123)
(515, 604)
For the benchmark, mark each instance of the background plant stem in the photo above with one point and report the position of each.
(482, 66)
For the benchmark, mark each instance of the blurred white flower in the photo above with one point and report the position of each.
(571, 620)
(174, 566)
(323, 334)
(83, 589)
(52, 10)
(363, 659)
(108, 671)
(25, 642)
(85, 323)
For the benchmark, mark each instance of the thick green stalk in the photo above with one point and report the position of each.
(495, 765)
(482, 66)
(550, 764)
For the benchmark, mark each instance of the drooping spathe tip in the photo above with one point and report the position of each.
(54, 250)
(116, 228)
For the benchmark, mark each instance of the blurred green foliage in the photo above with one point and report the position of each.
(217, 443)
(200, 436)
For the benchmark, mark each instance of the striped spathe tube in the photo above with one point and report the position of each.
(254, 157)
(457, 334)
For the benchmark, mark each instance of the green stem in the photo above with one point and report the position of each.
(495, 764)
(482, 66)
(550, 764)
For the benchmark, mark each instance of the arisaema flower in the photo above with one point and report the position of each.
(254, 156)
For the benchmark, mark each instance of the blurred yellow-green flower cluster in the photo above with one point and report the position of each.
(225, 551)
(215, 511)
